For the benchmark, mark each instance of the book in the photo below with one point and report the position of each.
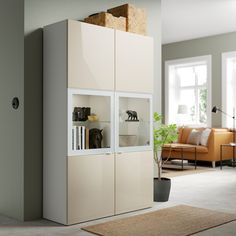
(75, 138)
(87, 138)
(79, 137)
(83, 137)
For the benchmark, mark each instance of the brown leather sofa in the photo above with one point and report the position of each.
(210, 153)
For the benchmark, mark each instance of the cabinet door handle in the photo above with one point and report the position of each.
(108, 153)
(119, 152)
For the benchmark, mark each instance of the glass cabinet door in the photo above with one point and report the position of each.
(133, 122)
(90, 122)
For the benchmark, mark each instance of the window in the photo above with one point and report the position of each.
(228, 87)
(188, 91)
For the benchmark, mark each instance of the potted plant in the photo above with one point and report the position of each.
(162, 134)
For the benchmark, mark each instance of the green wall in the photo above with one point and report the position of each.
(39, 13)
(213, 45)
(11, 120)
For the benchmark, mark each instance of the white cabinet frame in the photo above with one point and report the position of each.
(107, 151)
(133, 148)
(66, 170)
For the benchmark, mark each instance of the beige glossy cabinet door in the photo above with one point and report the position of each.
(90, 187)
(133, 181)
(134, 62)
(90, 56)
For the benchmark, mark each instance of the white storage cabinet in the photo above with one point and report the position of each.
(84, 67)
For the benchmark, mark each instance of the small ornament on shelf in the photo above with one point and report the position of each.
(75, 116)
(132, 116)
(95, 138)
(81, 113)
(93, 117)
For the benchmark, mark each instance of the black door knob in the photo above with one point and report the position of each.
(15, 103)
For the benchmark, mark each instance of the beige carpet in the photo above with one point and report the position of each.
(174, 221)
(176, 171)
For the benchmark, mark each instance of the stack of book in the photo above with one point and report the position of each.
(80, 138)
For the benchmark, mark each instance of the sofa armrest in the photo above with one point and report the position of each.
(215, 140)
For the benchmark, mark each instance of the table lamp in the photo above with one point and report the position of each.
(182, 110)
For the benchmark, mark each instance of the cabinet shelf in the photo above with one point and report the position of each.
(88, 152)
(90, 122)
(134, 135)
(135, 122)
(98, 132)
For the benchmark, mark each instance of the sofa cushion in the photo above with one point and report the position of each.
(194, 137)
(185, 133)
(205, 136)
(180, 132)
(199, 149)
(202, 149)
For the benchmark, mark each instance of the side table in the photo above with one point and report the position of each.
(221, 153)
(181, 148)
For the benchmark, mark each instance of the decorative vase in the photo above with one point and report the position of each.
(161, 189)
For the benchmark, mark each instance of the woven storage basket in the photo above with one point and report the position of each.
(136, 18)
(107, 20)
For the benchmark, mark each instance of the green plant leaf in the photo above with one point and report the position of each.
(162, 134)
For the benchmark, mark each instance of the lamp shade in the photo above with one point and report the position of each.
(182, 109)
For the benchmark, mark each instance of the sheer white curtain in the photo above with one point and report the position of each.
(229, 88)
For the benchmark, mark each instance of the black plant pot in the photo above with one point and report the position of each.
(161, 189)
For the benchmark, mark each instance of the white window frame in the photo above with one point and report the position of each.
(224, 57)
(188, 61)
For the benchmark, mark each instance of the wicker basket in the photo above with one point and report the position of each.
(107, 20)
(136, 18)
